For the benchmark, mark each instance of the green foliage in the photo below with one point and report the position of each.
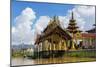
(17, 54)
(48, 54)
(81, 54)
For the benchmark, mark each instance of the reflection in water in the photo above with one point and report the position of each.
(21, 61)
(26, 61)
(63, 60)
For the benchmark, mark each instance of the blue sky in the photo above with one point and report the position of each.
(41, 9)
(30, 18)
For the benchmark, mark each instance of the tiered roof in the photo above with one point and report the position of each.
(53, 28)
(72, 27)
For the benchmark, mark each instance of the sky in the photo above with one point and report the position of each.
(41, 9)
(29, 19)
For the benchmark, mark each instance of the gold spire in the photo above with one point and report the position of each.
(55, 18)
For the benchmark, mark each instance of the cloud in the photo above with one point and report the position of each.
(26, 31)
(64, 20)
(85, 10)
(87, 13)
(13, 30)
(84, 15)
(41, 23)
(22, 32)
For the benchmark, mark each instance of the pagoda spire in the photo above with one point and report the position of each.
(72, 15)
(73, 29)
(54, 17)
(56, 20)
(72, 18)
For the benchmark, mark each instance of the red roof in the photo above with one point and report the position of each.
(89, 35)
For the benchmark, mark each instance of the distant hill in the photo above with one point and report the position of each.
(20, 46)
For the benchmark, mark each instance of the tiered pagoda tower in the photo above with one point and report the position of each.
(73, 29)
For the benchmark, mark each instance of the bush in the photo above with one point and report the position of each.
(87, 53)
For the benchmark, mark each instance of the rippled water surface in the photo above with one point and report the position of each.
(26, 61)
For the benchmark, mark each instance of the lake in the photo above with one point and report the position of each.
(26, 61)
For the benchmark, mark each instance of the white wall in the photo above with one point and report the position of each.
(5, 33)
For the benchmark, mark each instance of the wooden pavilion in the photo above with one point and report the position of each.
(53, 39)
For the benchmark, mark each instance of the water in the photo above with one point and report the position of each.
(26, 61)
(22, 61)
